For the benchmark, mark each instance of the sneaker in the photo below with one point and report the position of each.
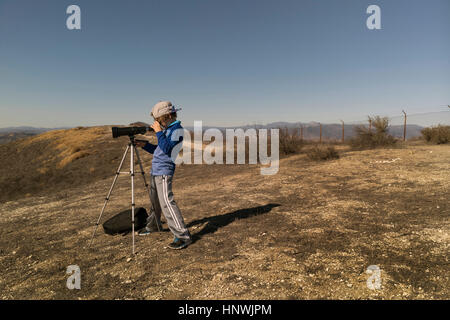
(179, 244)
(147, 230)
(144, 232)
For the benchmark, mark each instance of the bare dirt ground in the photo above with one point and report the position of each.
(309, 232)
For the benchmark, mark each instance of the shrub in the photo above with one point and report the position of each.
(319, 153)
(439, 134)
(289, 143)
(377, 137)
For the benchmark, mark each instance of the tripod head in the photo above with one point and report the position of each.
(133, 141)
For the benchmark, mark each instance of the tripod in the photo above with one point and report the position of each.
(131, 146)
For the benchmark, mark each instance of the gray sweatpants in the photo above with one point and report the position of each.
(162, 200)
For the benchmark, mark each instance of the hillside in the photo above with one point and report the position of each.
(310, 231)
(58, 159)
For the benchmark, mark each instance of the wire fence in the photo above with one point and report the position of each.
(405, 126)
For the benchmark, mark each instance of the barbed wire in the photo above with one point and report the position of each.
(313, 130)
(401, 117)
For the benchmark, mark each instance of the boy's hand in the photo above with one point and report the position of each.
(156, 126)
(140, 143)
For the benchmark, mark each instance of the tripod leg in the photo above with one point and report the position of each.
(109, 194)
(132, 191)
(146, 184)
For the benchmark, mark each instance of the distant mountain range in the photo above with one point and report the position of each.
(13, 133)
(311, 130)
(28, 129)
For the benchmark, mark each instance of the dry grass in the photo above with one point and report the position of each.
(74, 156)
(68, 144)
(308, 232)
(321, 153)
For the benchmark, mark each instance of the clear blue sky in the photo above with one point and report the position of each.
(227, 62)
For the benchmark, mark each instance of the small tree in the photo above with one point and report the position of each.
(379, 137)
(439, 134)
(289, 143)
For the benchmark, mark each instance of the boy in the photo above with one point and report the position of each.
(169, 133)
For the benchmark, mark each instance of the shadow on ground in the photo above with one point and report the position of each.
(216, 222)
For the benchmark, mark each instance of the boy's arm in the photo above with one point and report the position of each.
(149, 147)
(166, 144)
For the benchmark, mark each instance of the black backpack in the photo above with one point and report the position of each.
(121, 222)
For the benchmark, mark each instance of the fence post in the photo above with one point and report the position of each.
(343, 131)
(320, 140)
(301, 133)
(404, 126)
